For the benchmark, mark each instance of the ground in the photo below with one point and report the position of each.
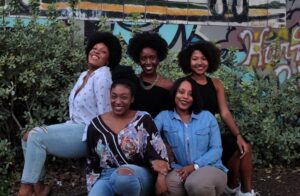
(67, 179)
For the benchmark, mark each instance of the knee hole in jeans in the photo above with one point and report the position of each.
(125, 171)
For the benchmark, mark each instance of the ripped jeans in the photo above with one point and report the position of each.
(133, 180)
(61, 140)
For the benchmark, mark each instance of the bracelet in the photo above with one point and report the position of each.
(196, 166)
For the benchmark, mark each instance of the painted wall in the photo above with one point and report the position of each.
(265, 32)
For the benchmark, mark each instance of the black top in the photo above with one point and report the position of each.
(152, 101)
(209, 95)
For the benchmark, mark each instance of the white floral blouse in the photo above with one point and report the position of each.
(93, 99)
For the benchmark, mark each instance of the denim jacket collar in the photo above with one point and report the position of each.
(175, 115)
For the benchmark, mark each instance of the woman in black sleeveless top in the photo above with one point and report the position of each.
(197, 60)
(148, 49)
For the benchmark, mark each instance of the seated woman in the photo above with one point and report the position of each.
(66, 140)
(195, 140)
(198, 60)
(148, 49)
(124, 144)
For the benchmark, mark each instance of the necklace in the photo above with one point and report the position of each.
(148, 87)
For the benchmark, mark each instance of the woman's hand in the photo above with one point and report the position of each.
(161, 187)
(243, 146)
(184, 172)
(160, 166)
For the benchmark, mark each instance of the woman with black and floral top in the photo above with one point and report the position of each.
(124, 147)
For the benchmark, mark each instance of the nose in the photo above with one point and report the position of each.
(117, 100)
(148, 60)
(185, 95)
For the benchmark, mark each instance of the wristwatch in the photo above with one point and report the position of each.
(196, 166)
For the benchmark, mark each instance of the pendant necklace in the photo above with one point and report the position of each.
(148, 87)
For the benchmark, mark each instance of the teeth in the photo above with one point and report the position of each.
(148, 68)
(183, 102)
(95, 57)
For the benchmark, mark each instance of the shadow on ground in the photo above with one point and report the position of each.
(68, 179)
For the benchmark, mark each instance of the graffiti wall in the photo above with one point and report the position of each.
(205, 12)
(263, 47)
(266, 33)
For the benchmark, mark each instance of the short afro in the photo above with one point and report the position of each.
(111, 42)
(208, 49)
(147, 40)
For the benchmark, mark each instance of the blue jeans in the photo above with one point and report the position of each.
(139, 183)
(61, 140)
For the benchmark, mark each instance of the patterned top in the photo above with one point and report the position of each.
(93, 99)
(136, 144)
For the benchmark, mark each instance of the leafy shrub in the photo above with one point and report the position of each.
(38, 66)
(6, 163)
(267, 113)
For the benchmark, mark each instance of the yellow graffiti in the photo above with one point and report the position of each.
(129, 8)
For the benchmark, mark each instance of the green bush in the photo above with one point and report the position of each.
(6, 166)
(38, 67)
(266, 112)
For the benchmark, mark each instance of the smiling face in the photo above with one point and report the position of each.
(149, 60)
(99, 55)
(121, 99)
(199, 63)
(183, 97)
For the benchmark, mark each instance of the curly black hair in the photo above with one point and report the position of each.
(208, 49)
(147, 40)
(197, 105)
(125, 75)
(112, 43)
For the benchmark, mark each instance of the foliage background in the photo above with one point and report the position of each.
(40, 63)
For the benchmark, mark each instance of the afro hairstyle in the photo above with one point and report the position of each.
(125, 75)
(147, 40)
(208, 49)
(111, 42)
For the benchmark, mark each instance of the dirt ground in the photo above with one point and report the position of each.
(67, 179)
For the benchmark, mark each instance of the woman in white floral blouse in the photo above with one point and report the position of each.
(89, 98)
(124, 144)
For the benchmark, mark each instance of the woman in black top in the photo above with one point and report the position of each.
(124, 144)
(148, 50)
(201, 58)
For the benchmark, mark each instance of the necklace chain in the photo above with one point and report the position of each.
(148, 87)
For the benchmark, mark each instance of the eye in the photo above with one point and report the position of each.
(180, 91)
(124, 97)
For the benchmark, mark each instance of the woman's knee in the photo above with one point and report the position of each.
(25, 136)
(36, 134)
(124, 176)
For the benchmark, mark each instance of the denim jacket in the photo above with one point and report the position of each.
(197, 142)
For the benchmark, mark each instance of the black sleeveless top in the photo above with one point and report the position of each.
(152, 101)
(208, 93)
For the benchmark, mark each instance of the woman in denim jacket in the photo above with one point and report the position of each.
(195, 140)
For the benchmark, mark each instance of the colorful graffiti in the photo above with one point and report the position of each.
(265, 33)
(213, 12)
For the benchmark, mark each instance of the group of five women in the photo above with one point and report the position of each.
(180, 152)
